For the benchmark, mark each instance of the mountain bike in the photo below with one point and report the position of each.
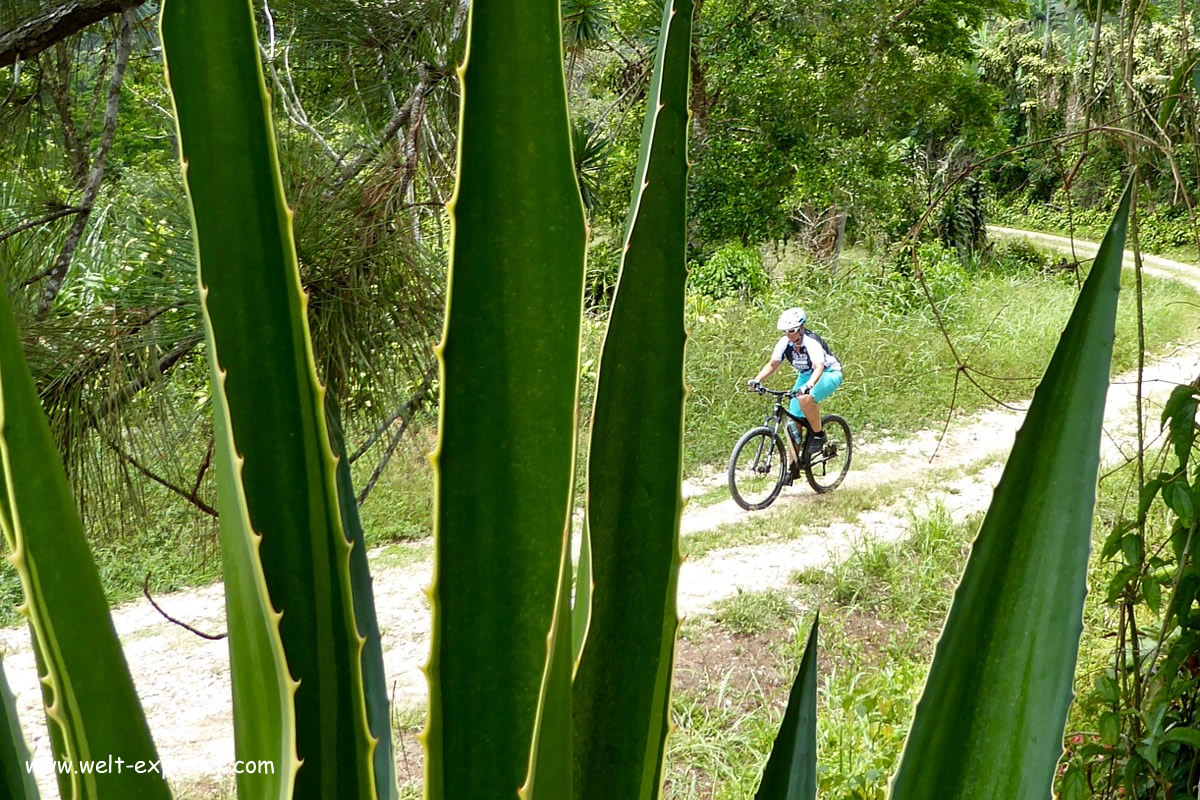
(761, 464)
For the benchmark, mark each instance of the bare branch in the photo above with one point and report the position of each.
(405, 416)
(212, 637)
(16, 81)
(58, 79)
(292, 106)
(383, 462)
(204, 465)
(191, 496)
(903, 15)
(404, 411)
(126, 393)
(949, 416)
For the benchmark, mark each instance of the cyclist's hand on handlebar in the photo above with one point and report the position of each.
(803, 390)
(754, 385)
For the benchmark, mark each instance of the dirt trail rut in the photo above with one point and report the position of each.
(184, 680)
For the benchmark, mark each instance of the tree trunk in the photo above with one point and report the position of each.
(836, 256)
(95, 176)
(701, 101)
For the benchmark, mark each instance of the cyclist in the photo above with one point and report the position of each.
(820, 374)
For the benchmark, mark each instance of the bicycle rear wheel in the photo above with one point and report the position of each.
(757, 469)
(826, 469)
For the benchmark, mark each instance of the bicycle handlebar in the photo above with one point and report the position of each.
(775, 393)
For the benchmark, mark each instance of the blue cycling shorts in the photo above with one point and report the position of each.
(830, 380)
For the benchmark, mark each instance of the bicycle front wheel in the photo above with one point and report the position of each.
(826, 469)
(757, 469)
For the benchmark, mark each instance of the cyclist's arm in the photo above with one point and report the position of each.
(818, 368)
(816, 354)
(768, 370)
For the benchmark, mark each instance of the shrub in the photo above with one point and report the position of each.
(734, 269)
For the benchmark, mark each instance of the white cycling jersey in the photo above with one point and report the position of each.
(805, 353)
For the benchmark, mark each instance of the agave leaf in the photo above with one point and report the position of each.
(91, 707)
(623, 682)
(374, 677)
(581, 611)
(550, 768)
(510, 373)
(791, 771)
(295, 649)
(990, 721)
(16, 781)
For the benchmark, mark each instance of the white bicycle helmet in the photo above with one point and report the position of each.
(791, 319)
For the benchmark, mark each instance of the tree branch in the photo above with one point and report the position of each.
(126, 393)
(429, 77)
(34, 35)
(96, 176)
(903, 15)
(212, 637)
(404, 414)
(192, 497)
(33, 223)
(404, 411)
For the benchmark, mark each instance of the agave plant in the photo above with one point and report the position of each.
(530, 695)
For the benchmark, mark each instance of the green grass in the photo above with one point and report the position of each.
(715, 495)
(814, 513)
(881, 609)
(398, 555)
(749, 613)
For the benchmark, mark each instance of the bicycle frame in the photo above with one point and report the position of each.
(776, 419)
(779, 413)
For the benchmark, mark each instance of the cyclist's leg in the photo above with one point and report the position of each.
(826, 385)
(797, 410)
(812, 411)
